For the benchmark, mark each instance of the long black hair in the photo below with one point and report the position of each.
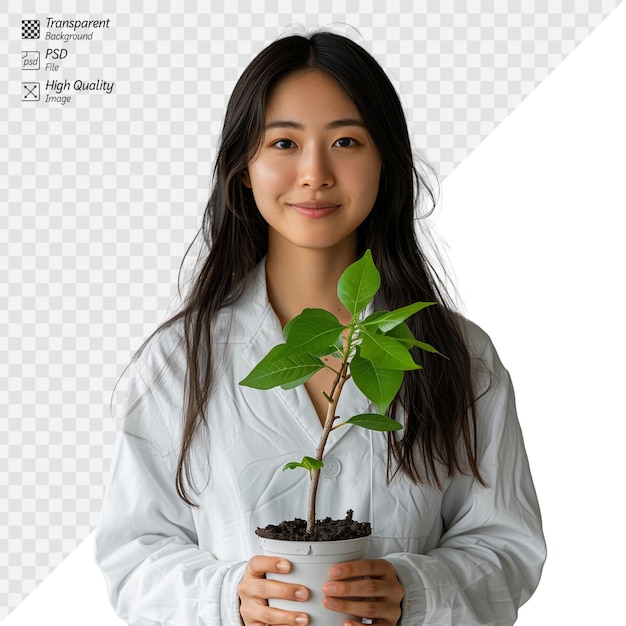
(438, 401)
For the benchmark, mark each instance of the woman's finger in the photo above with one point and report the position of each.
(258, 565)
(374, 568)
(262, 614)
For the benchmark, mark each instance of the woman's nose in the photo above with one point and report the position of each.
(315, 169)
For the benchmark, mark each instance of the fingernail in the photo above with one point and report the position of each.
(301, 619)
(335, 573)
(331, 603)
(302, 594)
(282, 566)
(330, 589)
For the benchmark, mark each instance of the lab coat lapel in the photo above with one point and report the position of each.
(264, 331)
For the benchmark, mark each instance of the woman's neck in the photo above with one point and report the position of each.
(299, 278)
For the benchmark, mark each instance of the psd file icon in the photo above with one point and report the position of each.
(30, 59)
(30, 92)
(30, 29)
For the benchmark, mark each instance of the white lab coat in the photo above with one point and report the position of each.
(467, 555)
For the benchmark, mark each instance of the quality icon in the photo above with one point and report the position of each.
(30, 92)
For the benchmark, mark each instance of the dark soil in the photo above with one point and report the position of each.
(325, 530)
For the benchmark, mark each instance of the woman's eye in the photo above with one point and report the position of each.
(283, 144)
(345, 142)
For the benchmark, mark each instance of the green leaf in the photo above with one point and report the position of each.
(378, 384)
(425, 346)
(279, 367)
(295, 383)
(403, 333)
(387, 320)
(373, 421)
(358, 284)
(308, 463)
(314, 331)
(386, 352)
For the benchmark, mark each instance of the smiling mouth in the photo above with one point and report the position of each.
(315, 206)
(314, 210)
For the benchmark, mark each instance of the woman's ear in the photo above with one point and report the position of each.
(245, 178)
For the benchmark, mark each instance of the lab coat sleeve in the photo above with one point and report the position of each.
(489, 559)
(146, 543)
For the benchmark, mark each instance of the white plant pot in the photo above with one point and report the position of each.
(310, 564)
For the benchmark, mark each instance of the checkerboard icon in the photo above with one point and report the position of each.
(30, 29)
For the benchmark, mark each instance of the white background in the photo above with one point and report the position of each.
(535, 223)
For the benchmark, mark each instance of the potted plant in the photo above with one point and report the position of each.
(375, 352)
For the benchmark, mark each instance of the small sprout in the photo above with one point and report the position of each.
(308, 463)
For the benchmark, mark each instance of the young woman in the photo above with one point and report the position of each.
(315, 166)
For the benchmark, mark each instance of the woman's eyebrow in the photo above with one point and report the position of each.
(348, 121)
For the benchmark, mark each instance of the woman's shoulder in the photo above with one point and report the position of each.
(163, 351)
(479, 344)
(153, 386)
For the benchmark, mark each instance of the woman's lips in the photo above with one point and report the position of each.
(313, 209)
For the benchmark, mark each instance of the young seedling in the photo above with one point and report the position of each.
(374, 351)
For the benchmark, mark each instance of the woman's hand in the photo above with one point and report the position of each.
(255, 590)
(368, 589)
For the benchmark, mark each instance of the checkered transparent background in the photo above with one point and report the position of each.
(103, 195)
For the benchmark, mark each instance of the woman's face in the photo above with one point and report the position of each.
(315, 176)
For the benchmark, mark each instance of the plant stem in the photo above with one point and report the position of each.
(342, 377)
